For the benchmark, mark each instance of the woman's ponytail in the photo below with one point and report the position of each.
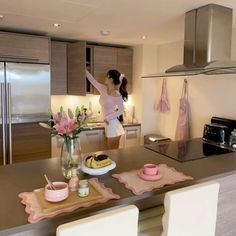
(123, 89)
(119, 79)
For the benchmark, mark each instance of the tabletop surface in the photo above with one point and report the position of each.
(27, 176)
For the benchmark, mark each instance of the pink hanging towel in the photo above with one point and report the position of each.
(182, 129)
(163, 104)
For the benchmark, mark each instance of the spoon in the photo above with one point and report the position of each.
(49, 182)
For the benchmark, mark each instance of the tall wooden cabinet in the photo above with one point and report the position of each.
(76, 64)
(58, 68)
(125, 65)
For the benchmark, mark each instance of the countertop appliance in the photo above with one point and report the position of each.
(214, 142)
(24, 98)
(219, 130)
(216, 133)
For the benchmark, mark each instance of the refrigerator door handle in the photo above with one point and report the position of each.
(9, 104)
(3, 124)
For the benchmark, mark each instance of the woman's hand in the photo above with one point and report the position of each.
(106, 121)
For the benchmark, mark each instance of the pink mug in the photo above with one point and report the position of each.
(150, 169)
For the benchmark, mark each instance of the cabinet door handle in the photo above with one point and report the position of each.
(91, 134)
(9, 105)
(19, 57)
(131, 130)
(3, 123)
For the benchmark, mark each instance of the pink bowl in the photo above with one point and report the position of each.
(61, 192)
(150, 169)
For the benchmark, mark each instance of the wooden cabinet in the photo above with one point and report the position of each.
(92, 141)
(58, 68)
(125, 65)
(24, 48)
(68, 68)
(105, 58)
(30, 141)
(97, 59)
(132, 136)
(76, 64)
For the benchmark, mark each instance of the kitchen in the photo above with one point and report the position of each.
(149, 56)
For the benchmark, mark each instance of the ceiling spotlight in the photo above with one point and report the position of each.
(144, 37)
(105, 32)
(56, 25)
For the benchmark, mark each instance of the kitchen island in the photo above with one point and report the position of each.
(24, 177)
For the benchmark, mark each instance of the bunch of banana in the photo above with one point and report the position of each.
(96, 162)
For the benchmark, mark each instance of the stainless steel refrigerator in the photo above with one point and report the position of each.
(24, 99)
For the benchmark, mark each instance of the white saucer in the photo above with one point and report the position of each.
(99, 171)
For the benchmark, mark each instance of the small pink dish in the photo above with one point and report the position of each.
(150, 169)
(143, 176)
(59, 194)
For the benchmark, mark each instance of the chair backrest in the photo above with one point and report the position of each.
(191, 211)
(120, 221)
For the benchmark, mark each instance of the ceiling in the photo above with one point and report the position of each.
(161, 21)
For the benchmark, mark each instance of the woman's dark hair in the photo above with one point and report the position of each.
(115, 76)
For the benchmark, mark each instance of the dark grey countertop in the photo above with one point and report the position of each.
(100, 125)
(27, 176)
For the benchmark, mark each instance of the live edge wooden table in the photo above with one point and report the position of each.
(24, 177)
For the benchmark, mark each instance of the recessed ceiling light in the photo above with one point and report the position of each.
(56, 25)
(144, 37)
(1, 17)
(105, 32)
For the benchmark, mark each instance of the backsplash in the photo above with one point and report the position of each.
(89, 101)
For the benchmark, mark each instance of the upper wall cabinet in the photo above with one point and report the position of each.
(70, 79)
(76, 64)
(125, 65)
(105, 58)
(58, 68)
(24, 48)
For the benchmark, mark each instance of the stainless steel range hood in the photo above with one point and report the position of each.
(207, 43)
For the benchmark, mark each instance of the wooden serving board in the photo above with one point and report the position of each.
(73, 199)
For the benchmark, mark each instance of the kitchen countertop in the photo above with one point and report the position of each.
(27, 176)
(100, 125)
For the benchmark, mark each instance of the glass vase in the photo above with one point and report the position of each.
(70, 157)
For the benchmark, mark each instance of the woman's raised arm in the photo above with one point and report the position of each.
(100, 87)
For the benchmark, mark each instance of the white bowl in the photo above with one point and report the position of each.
(99, 171)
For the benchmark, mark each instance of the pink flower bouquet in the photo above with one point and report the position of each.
(68, 125)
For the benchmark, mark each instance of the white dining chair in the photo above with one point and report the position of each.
(122, 221)
(189, 211)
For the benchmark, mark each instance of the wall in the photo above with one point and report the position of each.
(73, 101)
(208, 95)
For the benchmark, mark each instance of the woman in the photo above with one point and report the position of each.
(113, 92)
